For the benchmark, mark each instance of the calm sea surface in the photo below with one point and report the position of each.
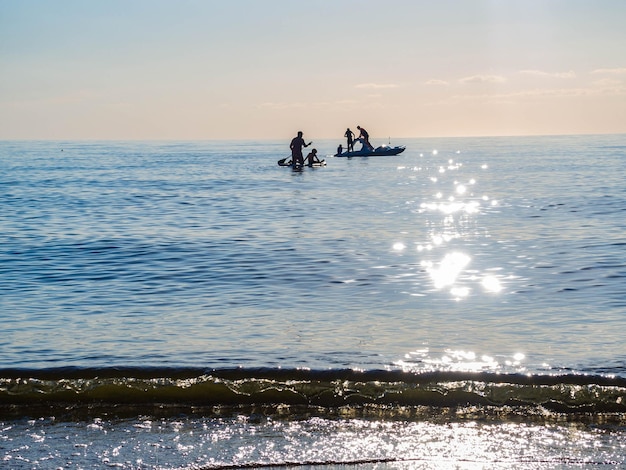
(194, 305)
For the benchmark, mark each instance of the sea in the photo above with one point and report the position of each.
(194, 305)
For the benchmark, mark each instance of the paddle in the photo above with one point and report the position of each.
(281, 162)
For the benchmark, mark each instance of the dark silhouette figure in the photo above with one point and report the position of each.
(312, 158)
(296, 149)
(365, 136)
(349, 135)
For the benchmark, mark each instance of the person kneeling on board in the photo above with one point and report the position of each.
(312, 158)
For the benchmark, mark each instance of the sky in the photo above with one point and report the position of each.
(264, 69)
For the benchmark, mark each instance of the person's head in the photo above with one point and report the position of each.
(358, 127)
(314, 151)
(299, 133)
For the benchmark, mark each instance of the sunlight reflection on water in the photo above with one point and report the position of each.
(453, 257)
(264, 442)
(448, 270)
(423, 360)
(454, 218)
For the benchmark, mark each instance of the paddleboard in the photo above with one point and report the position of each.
(283, 162)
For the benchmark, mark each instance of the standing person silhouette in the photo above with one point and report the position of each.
(350, 136)
(365, 136)
(296, 149)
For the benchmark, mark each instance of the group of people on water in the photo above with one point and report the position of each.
(298, 143)
(349, 135)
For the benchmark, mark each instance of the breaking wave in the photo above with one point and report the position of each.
(386, 393)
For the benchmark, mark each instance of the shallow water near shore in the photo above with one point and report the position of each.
(195, 305)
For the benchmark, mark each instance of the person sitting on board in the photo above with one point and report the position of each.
(366, 137)
(340, 149)
(296, 149)
(312, 158)
(349, 135)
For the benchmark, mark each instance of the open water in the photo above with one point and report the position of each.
(194, 305)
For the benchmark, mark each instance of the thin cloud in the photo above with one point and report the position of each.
(607, 82)
(376, 86)
(483, 79)
(615, 71)
(539, 93)
(541, 73)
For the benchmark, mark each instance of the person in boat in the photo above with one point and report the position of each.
(349, 135)
(312, 158)
(296, 149)
(365, 136)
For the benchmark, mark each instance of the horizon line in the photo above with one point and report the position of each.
(252, 139)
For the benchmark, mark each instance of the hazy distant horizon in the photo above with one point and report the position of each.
(340, 139)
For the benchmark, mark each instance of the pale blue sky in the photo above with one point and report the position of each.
(243, 69)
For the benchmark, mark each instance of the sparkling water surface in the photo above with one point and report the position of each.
(492, 251)
(473, 254)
